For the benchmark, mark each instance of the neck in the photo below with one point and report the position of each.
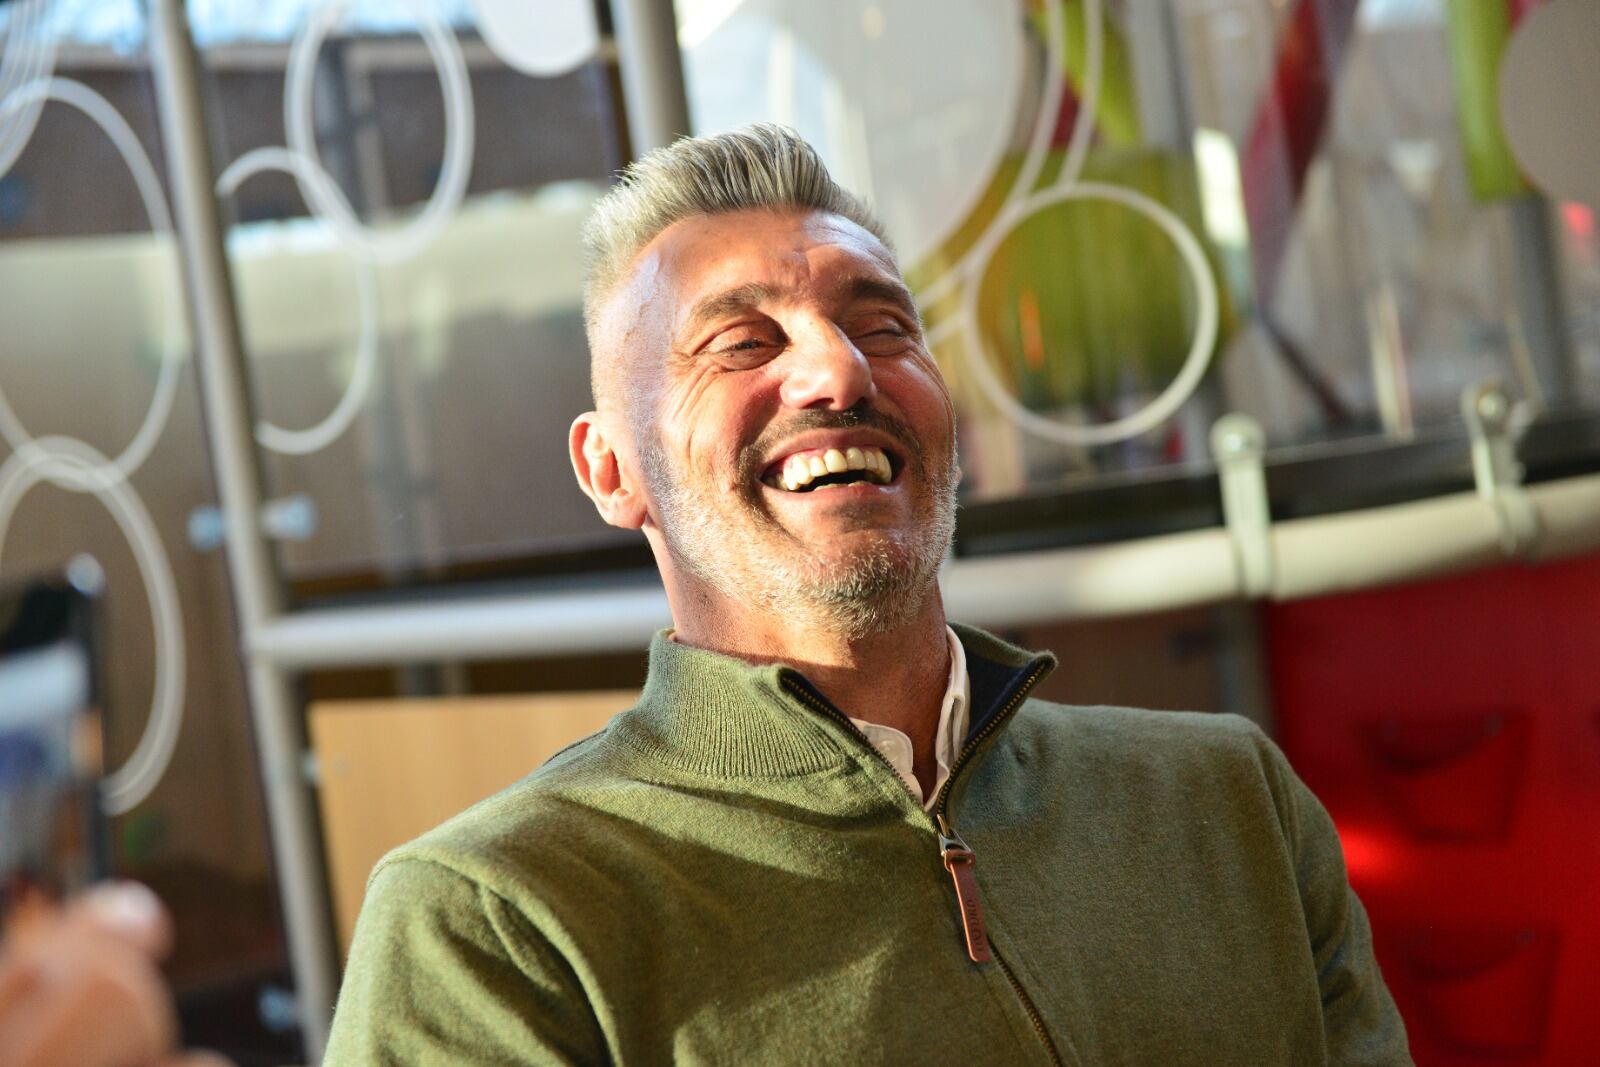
(896, 677)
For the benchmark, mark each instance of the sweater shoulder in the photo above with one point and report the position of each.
(1110, 724)
(1168, 772)
(1137, 742)
(549, 807)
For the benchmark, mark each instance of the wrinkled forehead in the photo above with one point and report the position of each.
(795, 256)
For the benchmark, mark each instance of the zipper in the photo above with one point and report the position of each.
(954, 853)
(958, 860)
(1033, 1013)
(964, 866)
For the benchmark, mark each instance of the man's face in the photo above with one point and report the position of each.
(770, 350)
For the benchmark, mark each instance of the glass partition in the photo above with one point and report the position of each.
(102, 452)
(405, 185)
(1123, 219)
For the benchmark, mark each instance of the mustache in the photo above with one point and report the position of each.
(859, 417)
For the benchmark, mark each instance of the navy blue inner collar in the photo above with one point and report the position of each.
(993, 684)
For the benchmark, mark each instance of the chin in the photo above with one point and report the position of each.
(869, 586)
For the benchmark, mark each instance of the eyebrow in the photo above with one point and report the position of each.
(728, 302)
(891, 292)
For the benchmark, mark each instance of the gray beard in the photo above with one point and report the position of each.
(876, 590)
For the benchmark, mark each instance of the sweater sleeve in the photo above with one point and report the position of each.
(1361, 1025)
(444, 970)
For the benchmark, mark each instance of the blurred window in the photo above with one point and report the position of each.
(406, 207)
(102, 451)
(1312, 202)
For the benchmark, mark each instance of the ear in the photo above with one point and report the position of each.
(600, 473)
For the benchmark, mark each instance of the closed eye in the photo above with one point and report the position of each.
(747, 345)
(885, 340)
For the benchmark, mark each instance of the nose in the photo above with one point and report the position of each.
(827, 371)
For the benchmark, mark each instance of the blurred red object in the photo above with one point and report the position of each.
(1485, 990)
(1451, 777)
(1452, 729)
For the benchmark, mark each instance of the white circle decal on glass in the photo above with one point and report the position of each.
(1020, 204)
(27, 55)
(1039, 139)
(322, 193)
(126, 142)
(1207, 318)
(71, 464)
(540, 39)
(324, 433)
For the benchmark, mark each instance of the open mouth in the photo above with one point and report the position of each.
(829, 468)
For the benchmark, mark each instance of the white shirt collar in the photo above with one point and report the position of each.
(954, 711)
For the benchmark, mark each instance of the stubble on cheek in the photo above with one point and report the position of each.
(719, 525)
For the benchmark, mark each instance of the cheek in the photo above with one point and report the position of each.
(918, 389)
(716, 417)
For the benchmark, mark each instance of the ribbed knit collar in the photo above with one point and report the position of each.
(708, 713)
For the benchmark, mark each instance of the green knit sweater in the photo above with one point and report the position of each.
(730, 874)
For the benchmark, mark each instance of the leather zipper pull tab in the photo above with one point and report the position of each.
(959, 861)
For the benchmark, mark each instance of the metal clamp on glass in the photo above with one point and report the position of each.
(1492, 420)
(290, 518)
(1238, 444)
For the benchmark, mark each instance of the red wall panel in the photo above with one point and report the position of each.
(1452, 728)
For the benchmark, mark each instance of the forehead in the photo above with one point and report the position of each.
(799, 254)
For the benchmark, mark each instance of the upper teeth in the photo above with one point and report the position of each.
(799, 471)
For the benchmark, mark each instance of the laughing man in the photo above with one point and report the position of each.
(836, 828)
